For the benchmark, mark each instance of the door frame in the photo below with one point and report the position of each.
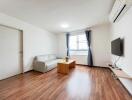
(21, 46)
(21, 51)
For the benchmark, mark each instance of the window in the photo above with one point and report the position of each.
(78, 44)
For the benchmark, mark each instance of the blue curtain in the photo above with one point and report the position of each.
(67, 43)
(90, 58)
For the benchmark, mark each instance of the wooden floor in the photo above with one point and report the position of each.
(82, 83)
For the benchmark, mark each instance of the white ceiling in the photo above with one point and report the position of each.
(50, 14)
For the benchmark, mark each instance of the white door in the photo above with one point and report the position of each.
(10, 52)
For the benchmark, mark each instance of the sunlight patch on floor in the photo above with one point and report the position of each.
(79, 85)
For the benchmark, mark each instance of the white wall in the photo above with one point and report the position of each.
(123, 29)
(100, 46)
(61, 45)
(36, 41)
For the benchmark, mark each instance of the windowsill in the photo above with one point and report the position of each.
(78, 50)
(78, 55)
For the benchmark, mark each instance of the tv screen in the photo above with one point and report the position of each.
(117, 47)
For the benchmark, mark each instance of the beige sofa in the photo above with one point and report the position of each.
(45, 63)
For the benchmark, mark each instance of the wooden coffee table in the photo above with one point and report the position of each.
(64, 67)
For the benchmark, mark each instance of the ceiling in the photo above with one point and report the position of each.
(50, 14)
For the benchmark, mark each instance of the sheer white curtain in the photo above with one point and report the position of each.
(78, 44)
(78, 47)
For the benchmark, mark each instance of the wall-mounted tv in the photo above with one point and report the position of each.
(117, 47)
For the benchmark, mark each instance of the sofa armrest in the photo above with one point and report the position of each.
(40, 62)
(39, 66)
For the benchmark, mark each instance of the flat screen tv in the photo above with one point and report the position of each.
(117, 47)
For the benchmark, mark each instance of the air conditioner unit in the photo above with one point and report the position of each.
(119, 9)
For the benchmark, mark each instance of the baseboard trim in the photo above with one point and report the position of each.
(90, 66)
(81, 65)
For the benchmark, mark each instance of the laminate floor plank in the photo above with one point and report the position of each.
(82, 83)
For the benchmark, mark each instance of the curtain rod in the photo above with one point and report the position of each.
(79, 30)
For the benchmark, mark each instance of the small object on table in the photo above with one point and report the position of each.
(66, 58)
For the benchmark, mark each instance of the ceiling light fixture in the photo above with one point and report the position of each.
(65, 25)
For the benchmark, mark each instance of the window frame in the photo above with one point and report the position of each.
(77, 35)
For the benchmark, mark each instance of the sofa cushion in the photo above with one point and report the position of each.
(51, 62)
(43, 58)
(51, 57)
